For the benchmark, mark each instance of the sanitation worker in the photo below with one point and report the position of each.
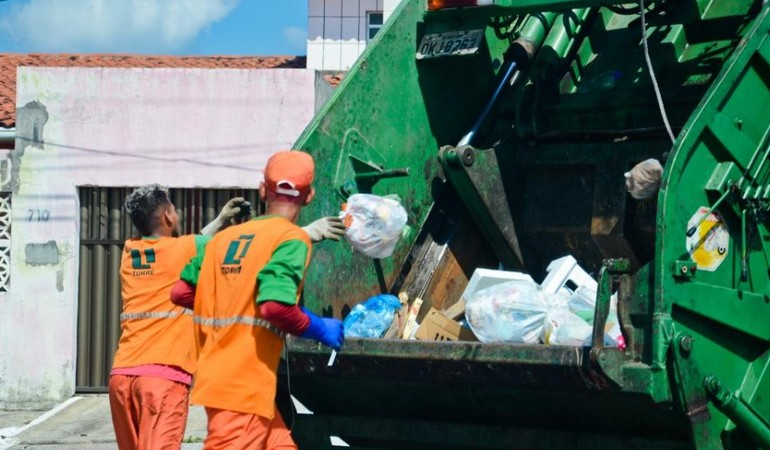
(246, 288)
(151, 374)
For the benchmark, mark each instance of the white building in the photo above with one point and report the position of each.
(338, 30)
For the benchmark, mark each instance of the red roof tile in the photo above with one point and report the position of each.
(334, 79)
(9, 62)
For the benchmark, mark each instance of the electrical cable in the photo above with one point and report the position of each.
(288, 385)
(655, 85)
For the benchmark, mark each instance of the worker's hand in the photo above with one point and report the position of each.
(330, 227)
(329, 332)
(225, 217)
(231, 209)
(643, 180)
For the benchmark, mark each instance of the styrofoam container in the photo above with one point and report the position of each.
(484, 278)
(565, 269)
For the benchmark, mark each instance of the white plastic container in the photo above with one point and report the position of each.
(484, 278)
(564, 270)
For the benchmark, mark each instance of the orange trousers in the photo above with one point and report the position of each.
(148, 413)
(230, 430)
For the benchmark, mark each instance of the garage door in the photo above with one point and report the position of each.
(104, 226)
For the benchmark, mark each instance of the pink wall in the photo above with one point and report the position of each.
(119, 127)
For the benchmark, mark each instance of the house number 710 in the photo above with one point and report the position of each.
(39, 215)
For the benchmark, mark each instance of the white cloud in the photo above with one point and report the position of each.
(139, 26)
(296, 36)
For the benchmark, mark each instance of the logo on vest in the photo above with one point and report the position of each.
(236, 251)
(141, 262)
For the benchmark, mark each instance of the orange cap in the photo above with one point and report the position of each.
(289, 172)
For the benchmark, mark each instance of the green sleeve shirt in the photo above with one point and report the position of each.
(192, 269)
(280, 278)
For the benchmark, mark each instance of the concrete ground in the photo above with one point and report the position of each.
(82, 422)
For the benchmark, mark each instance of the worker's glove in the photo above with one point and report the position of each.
(325, 228)
(643, 180)
(225, 217)
(329, 332)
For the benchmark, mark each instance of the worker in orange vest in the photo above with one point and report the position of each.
(246, 289)
(150, 379)
(151, 374)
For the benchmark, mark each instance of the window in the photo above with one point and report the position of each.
(373, 24)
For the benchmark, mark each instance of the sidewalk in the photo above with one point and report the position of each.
(82, 422)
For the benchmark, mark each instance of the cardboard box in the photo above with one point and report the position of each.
(411, 319)
(455, 311)
(438, 327)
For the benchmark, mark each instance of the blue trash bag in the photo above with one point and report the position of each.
(372, 318)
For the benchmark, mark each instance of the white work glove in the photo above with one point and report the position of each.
(225, 217)
(330, 227)
(643, 180)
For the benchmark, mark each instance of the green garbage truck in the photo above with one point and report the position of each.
(506, 127)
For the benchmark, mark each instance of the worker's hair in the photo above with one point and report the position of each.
(143, 204)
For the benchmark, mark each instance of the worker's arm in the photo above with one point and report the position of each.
(279, 282)
(287, 318)
(330, 227)
(183, 292)
(228, 213)
(300, 322)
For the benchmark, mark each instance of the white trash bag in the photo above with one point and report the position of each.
(563, 327)
(582, 303)
(643, 180)
(374, 224)
(514, 311)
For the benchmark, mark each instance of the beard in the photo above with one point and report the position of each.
(175, 232)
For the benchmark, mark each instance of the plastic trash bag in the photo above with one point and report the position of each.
(582, 303)
(563, 327)
(374, 224)
(514, 311)
(643, 180)
(371, 318)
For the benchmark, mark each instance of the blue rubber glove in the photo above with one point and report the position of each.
(329, 332)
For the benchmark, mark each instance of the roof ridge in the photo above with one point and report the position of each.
(10, 61)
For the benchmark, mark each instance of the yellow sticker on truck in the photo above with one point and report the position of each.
(709, 245)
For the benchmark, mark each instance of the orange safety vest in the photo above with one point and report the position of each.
(239, 351)
(154, 330)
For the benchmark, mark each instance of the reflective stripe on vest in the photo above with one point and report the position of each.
(154, 315)
(243, 320)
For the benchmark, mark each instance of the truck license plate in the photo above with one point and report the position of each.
(451, 43)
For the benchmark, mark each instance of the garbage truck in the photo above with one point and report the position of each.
(505, 127)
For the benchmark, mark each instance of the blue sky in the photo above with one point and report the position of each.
(176, 27)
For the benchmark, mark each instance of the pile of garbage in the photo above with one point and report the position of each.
(497, 306)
